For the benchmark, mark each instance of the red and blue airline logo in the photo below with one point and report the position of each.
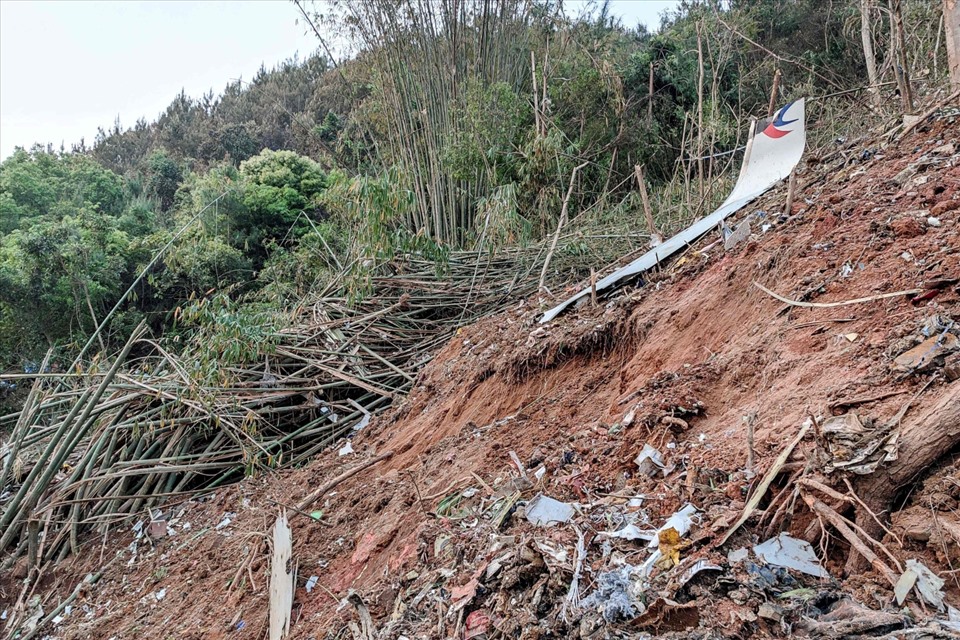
(773, 129)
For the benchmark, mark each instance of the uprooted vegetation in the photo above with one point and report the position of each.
(689, 431)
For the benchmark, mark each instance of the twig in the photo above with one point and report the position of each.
(824, 489)
(751, 420)
(853, 402)
(853, 494)
(841, 526)
(768, 478)
(929, 112)
(826, 305)
(560, 223)
(306, 502)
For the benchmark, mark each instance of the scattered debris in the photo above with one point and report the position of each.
(617, 595)
(650, 461)
(928, 354)
(855, 447)
(929, 584)
(544, 511)
(476, 625)
(790, 553)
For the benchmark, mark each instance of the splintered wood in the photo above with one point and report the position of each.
(281, 579)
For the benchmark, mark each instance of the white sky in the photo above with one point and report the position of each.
(67, 68)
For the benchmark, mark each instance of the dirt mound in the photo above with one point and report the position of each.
(436, 541)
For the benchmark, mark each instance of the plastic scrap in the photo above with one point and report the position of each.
(544, 511)
(682, 521)
(225, 522)
(699, 565)
(650, 461)
(346, 449)
(311, 583)
(790, 553)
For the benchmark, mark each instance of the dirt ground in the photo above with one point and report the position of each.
(435, 541)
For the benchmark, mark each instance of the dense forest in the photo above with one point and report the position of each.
(446, 126)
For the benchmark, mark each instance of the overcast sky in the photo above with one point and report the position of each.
(67, 68)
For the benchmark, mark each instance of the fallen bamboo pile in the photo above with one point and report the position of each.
(93, 447)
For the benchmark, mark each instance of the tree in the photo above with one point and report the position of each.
(866, 38)
(951, 20)
(279, 187)
(165, 177)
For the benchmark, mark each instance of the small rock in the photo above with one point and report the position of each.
(770, 612)
(944, 150)
(907, 228)
(927, 354)
(945, 206)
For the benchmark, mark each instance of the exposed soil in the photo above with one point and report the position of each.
(682, 364)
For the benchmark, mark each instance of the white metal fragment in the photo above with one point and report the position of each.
(737, 555)
(902, 589)
(682, 521)
(790, 553)
(544, 511)
(774, 148)
(929, 584)
(281, 579)
(650, 461)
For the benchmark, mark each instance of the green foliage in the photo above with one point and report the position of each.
(41, 183)
(58, 275)
(223, 333)
(281, 190)
(165, 177)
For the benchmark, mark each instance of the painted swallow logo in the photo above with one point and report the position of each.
(778, 121)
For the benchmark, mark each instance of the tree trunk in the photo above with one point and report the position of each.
(923, 440)
(868, 55)
(900, 63)
(951, 23)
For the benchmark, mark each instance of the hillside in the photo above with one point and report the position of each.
(431, 538)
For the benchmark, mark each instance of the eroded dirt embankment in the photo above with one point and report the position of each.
(683, 364)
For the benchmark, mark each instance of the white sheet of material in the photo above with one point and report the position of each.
(773, 151)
